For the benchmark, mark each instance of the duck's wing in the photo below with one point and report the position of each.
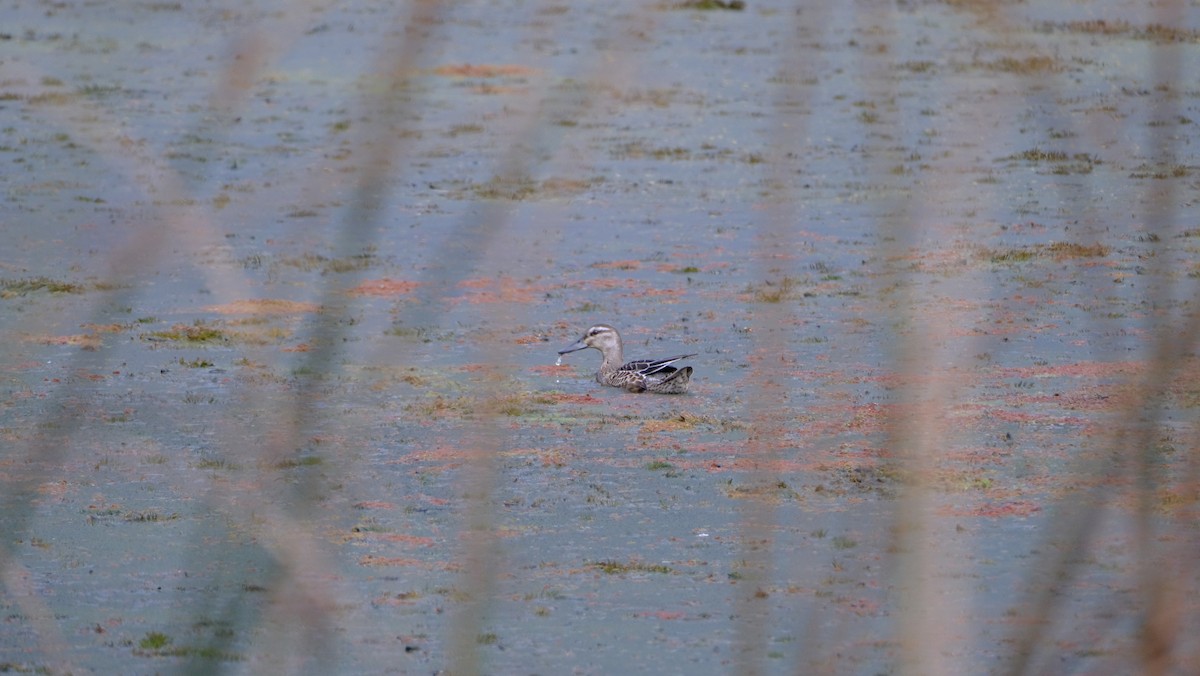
(648, 367)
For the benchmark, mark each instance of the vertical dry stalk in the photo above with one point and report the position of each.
(765, 388)
(1136, 423)
(923, 359)
(756, 514)
(1133, 431)
(482, 240)
(1160, 631)
(931, 361)
(45, 452)
(293, 546)
(301, 592)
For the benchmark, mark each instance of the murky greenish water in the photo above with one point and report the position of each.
(791, 216)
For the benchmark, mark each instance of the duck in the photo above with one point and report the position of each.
(643, 375)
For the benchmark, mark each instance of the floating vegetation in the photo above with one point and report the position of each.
(1170, 501)
(1026, 66)
(636, 150)
(108, 513)
(842, 542)
(1073, 250)
(302, 461)
(612, 567)
(311, 261)
(193, 398)
(774, 291)
(1153, 32)
(385, 287)
(480, 70)
(587, 307)
(521, 403)
(353, 263)
(197, 332)
(369, 526)
(1008, 255)
(198, 363)
(709, 5)
(655, 96)
(414, 378)
(154, 641)
(48, 98)
(150, 516)
(773, 491)
(917, 66)
(1039, 155)
(158, 644)
(460, 129)
(420, 333)
(438, 406)
(305, 261)
(962, 481)
(263, 306)
(513, 405)
(669, 470)
(1054, 250)
(1072, 168)
(878, 479)
(1079, 163)
(507, 402)
(20, 287)
(216, 463)
(510, 188)
(1166, 171)
(561, 187)
(676, 421)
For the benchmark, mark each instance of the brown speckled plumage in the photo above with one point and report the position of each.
(643, 375)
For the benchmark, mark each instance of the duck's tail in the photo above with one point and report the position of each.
(677, 382)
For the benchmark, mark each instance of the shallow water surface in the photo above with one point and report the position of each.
(254, 423)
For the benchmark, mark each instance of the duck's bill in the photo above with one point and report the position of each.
(579, 345)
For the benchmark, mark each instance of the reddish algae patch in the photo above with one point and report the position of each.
(373, 560)
(502, 290)
(86, 341)
(415, 540)
(484, 70)
(1083, 369)
(1018, 508)
(385, 287)
(618, 265)
(374, 504)
(263, 306)
(562, 398)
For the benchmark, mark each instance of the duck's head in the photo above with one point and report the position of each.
(601, 336)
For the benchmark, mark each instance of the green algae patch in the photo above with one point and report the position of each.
(613, 567)
(198, 332)
(21, 287)
(1052, 251)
